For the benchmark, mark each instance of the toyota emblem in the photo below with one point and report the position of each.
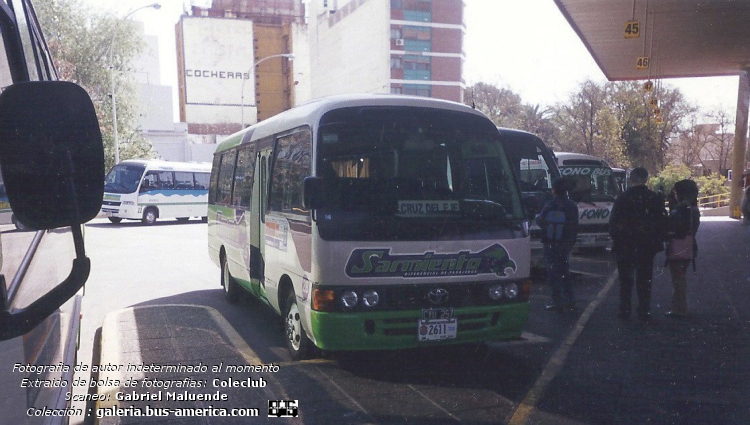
(437, 296)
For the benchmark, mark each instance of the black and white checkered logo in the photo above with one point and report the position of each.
(283, 408)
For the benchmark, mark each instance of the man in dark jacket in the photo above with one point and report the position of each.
(558, 221)
(638, 229)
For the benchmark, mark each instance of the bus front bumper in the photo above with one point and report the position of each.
(387, 330)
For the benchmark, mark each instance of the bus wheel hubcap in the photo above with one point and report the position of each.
(293, 326)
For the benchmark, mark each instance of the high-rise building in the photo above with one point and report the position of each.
(381, 46)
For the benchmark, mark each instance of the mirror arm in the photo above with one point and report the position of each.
(21, 322)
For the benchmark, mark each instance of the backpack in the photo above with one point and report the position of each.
(553, 222)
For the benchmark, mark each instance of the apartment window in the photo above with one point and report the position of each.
(417, 90)
(395, 63)
(396, 90)
(395, 33)
(396, 5)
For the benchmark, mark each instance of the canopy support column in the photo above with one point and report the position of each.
(740, 144)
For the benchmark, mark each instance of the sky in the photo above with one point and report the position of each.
(524, 45)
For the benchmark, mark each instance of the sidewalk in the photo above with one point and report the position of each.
(691, 371)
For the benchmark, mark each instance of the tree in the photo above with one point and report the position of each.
(719, 146)
(687, 147)
(501, 105)
(669, 176)
(588, 124)
(80, 41)
(647, 140)
(539, 121)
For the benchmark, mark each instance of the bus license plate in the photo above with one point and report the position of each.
(437, 324)
(437, 330)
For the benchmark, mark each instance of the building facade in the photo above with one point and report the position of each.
(410, 47)
(230, 70)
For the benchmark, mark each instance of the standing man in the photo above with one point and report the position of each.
(638, 229)
(558, 221)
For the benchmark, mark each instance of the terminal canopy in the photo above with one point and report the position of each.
(680, 38)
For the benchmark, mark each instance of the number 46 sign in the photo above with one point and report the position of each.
(641, 62)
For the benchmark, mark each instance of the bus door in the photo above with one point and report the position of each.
(258, 220)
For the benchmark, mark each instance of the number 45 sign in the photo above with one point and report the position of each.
(632, 29)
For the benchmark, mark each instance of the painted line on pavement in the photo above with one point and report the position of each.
(359, 406)
(526, 338)
(434, 403)
(557, 361)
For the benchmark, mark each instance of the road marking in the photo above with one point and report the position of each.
(526, 338)
(434, 403)
(359, 406)
(557, 361)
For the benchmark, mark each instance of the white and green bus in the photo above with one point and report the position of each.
(148, 190)
(373, 222)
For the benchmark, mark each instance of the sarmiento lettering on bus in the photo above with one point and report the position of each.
(379, 262)
(208, 73)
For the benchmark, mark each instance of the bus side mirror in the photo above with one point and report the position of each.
(314, 193)
(52, 162)
(51, 154)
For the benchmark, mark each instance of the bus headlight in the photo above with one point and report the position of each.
(496, 291)
(511, 290)
(370, 298)
(349, 299)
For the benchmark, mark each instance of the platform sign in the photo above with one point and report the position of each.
(632, 29)
(641, 62)
(654, 102)
(648, 86)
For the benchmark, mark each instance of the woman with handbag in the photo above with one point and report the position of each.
(684, 219)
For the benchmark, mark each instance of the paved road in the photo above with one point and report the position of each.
(586, 367)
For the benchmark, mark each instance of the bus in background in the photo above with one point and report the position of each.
(373, 222)
(621, 178)
(536, 168)
(595, 192)
(148, 190)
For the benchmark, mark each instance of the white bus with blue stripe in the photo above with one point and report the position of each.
(148, 190)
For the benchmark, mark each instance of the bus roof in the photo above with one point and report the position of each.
(158, 164)
(311, 112)
(571, 158)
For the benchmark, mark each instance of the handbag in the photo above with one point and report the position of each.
(680, 249)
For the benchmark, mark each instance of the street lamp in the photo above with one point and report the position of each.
(290, 56)
(156, 6)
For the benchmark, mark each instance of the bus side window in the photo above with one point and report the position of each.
(243, 177)
(166, 181)
(202, 180)
(291, 166)
(226, 175)
(183, 180)
(150, 181)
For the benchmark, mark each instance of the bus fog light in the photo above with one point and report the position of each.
(511, 290)
(370, 298)
(496, 291)
(349, 299)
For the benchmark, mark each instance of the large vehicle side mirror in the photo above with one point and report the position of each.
(314, 195)
(52, 162)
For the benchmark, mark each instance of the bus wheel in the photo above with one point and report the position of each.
(231, 292)
(115, 220)
(149, 216)
(296, 338)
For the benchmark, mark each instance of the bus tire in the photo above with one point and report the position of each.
(297, 342)
(231, 291)
(150, 215)
(115, 220)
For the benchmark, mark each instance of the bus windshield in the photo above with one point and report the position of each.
(424, 174)
(123, 178)
(593, 183)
